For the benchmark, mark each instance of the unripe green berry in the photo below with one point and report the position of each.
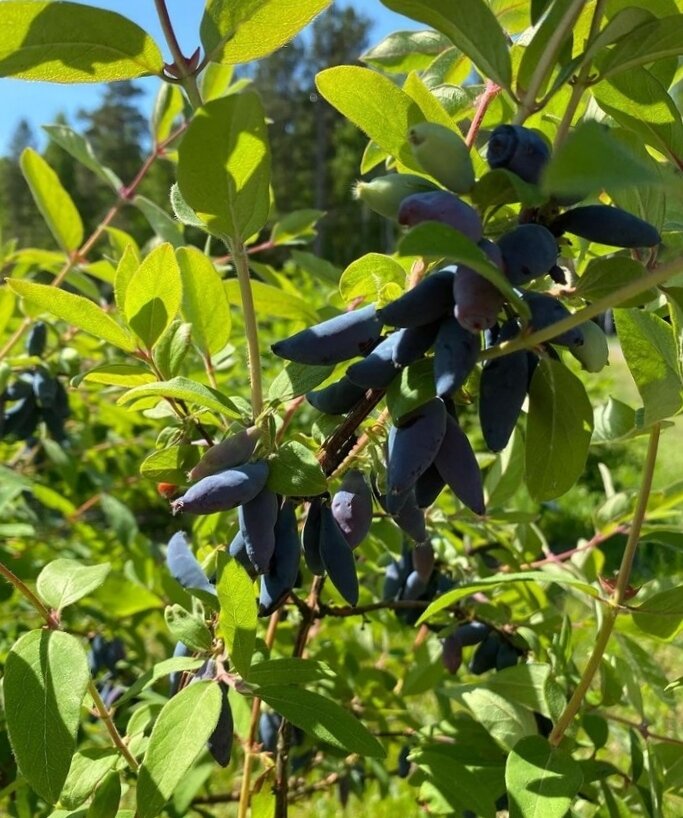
(593, 354)
(442, 154)
(384, 194)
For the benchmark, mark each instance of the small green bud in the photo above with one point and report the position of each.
(5, 373)
(384, 194)
(442, 154)
(593, 354)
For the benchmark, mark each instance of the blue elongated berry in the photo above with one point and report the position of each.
(21, 420)
(410, 518)
(233, 451)
(451, 653)
(472, 633)
(352, 507)
(257, 523)
(546, 311)
(458, 466)
(413, 446)
(377, 370)
(268, 727)
(396, 574)
(441, 206)
(502, 390)
(607, 225)
(518, 149)
(427, 302)
(337, 398)
(279, 581)
(330, 342)
(311, 538)
(220, 741)
(184, 566)
(477, 300)
(403, 762)
(455, 356)
(529, 251)
(37, 339)
(44, 388)
(223, 491)
(484, 657)
(423, 559)
(428, 487)
(507, 656)
(415, 587)
(413, 342)
(238, 550)
(180, 650)
(337, 557)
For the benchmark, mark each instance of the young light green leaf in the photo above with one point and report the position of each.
(368, 275)
(182, 210)
(540, 779)
(172, 347)
(592, 159)
(74, 309)
(179, 735)
(435, 240)
(188, 628)
(506, 721)
(224, 166)
(274, 672)
(322, 718)
(649, 347)
(170, 464)
(375, 105)
(168, 106)
(501, 186)
(297, 379)
(177, 664)
(559, 427)
(46, 676)
(404, 51)
(116, 375)
(240, 32)
(604, 275)
(524, 684)
(296, 227)
(273, 301)
(163, 224)
(648, 43)
(662, 614)
(78, 146)
(184, 389)
(88, 767)
(125, 270)
(54, 203)
(63, 582)
(295, 471)
(105, 803)
(238, 615)
(205, 301)
(471, 26)
(153, 295)
(72, 42)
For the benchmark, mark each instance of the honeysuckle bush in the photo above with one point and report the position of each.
(485, 664)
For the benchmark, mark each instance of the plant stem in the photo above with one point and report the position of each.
(490, 92)
(546, 62)
(610, 616)
(114, 734)
(241, 262)
(651, 279)
(187, 78)
(581, 80)
(20, 585)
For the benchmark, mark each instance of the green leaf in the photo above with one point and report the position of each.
(273, 301)
(375, 105)
(71, 42)
(75, 310)
(170, 465)
(471, 26)
(592, 159)
(661, 615)
(188, 628)
(182, 210)
(648, 344)
(46, 676)
(88, 767)
(224, 166)
(63, 582)
(435, 240)
(175, 665)
(172, 347)
(323, 719)
(405, 51)
(125, 270)
(506, 721)
(367, 276)
(501, 186)
(205, 302)
(54, 203)
(163, 224)
(540, 779)
(653, 41)
(639, 102)
(558, 431)
(456, 783)
(168, 106)
(184, 389)
(524, 684)
(414, 387)
(468, 588)
(604, 275)
(153, 295)
(179, 735)
(296, 227)
(116, 375)
(240, 32)
(613, 420)
(296, 379)
(275, 672)
(238, 615)
(295, 471)
(105, 804)
(77, 145)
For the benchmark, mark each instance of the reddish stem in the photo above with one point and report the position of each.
(490, 92)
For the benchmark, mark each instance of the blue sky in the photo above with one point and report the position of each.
(40, 102)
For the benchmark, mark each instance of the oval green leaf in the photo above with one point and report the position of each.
(205, 302)
(63, 582)
(153, 295)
